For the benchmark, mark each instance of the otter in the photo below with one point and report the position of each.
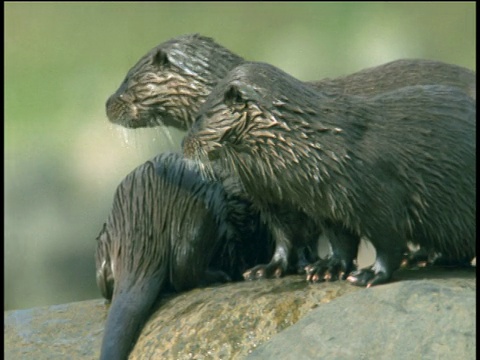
(395, 167)
(169, 83)
(169, 230)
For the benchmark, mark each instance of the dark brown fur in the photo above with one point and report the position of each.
(395, 167)
(167, 229)
(169, 83)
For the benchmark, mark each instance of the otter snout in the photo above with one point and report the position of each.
(122, 111)
(111, 108)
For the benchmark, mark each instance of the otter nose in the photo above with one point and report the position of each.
(109, 106)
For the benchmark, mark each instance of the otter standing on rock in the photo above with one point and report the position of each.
(395, 167)
(168, 84)
(166, 229)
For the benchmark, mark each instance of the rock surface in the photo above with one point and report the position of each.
(229, 321)
(405, 320)
(70, 331)
(430, 314)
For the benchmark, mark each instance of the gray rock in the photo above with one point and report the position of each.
(424, 319)
(227, 322)
(69, 331)
(431, 318)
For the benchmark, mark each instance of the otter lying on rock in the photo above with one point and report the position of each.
(395, 167)
(169, 229)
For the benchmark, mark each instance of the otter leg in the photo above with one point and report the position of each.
(423, 258)
(387, 261)
(279, 263)
(305, 257)
(418, 258)
(438, 259)
(344, 249)
(275, 268)
(295, 235)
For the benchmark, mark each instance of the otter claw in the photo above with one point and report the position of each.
(326, 270)
(263, 272)
(367, 278)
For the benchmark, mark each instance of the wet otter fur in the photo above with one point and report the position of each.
(169, 83)
(395, 167)
(169, 230)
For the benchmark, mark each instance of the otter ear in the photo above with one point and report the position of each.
(233, 96)
(160, 58)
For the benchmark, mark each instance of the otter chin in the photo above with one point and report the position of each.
(396, 167)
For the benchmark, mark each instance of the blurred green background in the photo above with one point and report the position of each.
(63, 160)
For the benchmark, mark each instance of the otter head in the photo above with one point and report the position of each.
(168, 84)
(260, 123)
(257, 106)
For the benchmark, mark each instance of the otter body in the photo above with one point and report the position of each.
(396, 167)
(401, 73)
(167, 228)
(168, 84)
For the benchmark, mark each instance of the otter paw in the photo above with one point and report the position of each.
(416, 259)
(317, 272)
(367, 277)
(263, 272)
(422, 258)
(326, 270)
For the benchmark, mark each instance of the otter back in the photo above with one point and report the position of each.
(399, 166)
(169, 83)
(166, 227)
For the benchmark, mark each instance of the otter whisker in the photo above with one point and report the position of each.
(166, 131)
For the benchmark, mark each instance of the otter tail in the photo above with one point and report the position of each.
(130, 309)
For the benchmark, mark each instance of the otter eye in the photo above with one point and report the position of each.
(233, 96)
(160, 58)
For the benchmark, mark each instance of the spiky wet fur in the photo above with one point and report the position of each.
(168, 84)
(168, 227)
(394, 167)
